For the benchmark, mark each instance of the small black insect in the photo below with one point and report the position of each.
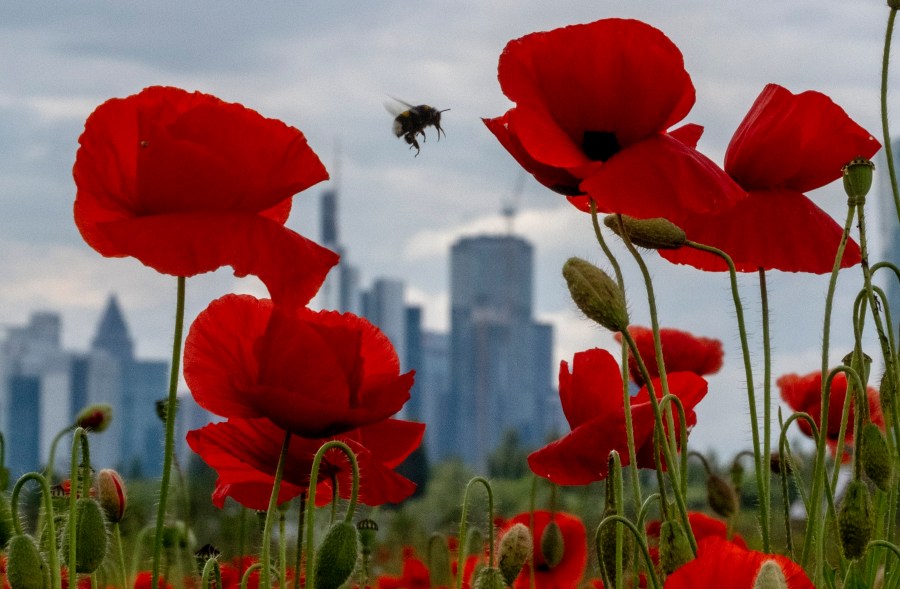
(411, 121)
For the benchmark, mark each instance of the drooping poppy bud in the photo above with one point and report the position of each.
(91, 536)
(721, 496)
(596, 294)
(605, 540)
(858, 177)
(6, 522)
(777, 464)
(337, 554)
(654, 234)
(95, 418)
(553, 547)
(516, 547)
(489, 578)
(111, 494)
(674, 548)
(770, 576)
(367, 529)
(855, 520)
(875, 456)
(25, 567)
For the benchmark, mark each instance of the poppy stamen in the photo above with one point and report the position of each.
(600, 145)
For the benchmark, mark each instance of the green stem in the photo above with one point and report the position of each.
(464, 524)
(311, 501)
(282, 550)
(626, 393)
(79, 442)
(751, 390)
(765, 473)
(169, 450)
(264, 558)
(253, 567)
(211, 569)
(118, 532)
(670, 459)
(48, 472)
(53, 557)
(885, 126)
(299, 561)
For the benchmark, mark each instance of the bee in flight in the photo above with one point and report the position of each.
(411, 120)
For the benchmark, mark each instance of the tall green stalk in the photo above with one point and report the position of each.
(169, 450)
(265, 578)
(885, 125)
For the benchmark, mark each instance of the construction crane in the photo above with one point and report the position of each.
(511, 206)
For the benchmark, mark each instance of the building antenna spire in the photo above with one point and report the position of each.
(511, 206)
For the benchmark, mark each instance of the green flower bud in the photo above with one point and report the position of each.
(95, 418)
(337, 554)
(515, 550)
(674, 548)
(596, 294)
(489, 578)
(25, 567)
(6, 522)
(605, 543)
(474, 541)
(91, 536)
(875, 457)
(112, 495)
(721, 496)
(886, 395)
(553, 547)
(770, 576)
(858, 177)
(367, 529)
(653, 234)
(855, 520)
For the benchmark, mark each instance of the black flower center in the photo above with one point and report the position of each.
(600, 145)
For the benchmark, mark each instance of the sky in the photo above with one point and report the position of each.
(327, 68)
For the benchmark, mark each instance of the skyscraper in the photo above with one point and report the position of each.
(340, 292)
(500, 357)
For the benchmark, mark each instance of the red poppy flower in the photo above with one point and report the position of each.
(566, 574)
(593, 104)
(682, 352)
(720, 563)
(804, 393)
(244, 453)
(315, 374)
(415, 574)
(187, 183)
(591, 396)
(787, 145)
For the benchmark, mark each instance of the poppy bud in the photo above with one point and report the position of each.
(367, 529)
(516, 547)
(605, 540)
(439, 562)
(25, 567)
(855, 520)
(653, 234)
(95, 417)
(674, 549)
(886, 394)
(875, 457)
(6, 522)
(858, 177)
(474, 541)
(176, 535)
(770, 576)
(162, 407)
(91, 538)
(112, 494)
(489, 578)
(337, 554)
(553, 547)
(721, 496)
(596, 294)
(778, 464)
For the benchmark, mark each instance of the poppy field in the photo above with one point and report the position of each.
(313, 474)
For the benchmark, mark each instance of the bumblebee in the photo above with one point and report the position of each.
(411, 121)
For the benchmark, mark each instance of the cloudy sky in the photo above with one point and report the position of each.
(326, 68)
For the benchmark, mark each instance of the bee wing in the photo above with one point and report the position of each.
(395, 106)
